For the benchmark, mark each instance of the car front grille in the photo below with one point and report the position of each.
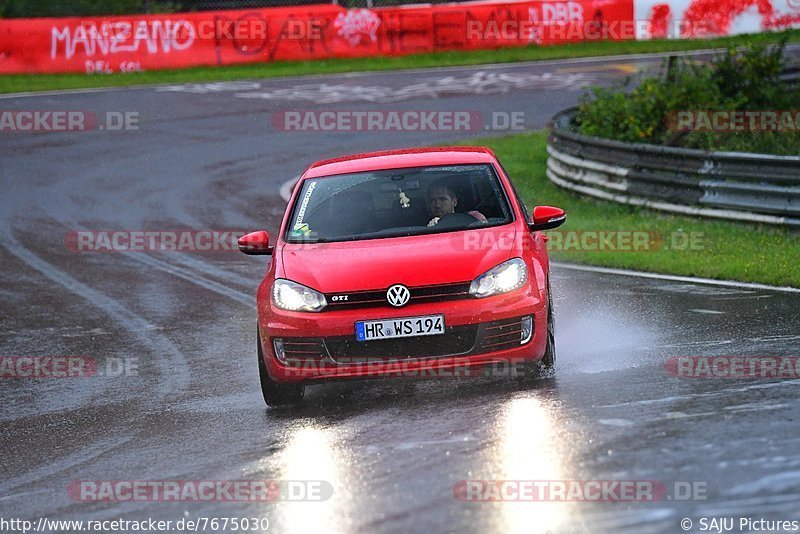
(456, 341)
(364, 299)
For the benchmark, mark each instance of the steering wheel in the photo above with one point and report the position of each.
(455, 220)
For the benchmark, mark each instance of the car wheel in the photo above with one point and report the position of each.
(545, 367)
(276, 394)
(548, 361)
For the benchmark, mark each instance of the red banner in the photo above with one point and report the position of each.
(149, 42)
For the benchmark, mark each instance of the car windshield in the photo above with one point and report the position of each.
(398, 202)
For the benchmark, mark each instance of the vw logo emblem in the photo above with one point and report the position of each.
(398, 295)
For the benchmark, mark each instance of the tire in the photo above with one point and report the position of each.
(276, 394)
(544, 367)
(548, 362)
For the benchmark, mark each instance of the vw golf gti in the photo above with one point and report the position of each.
(404, 261)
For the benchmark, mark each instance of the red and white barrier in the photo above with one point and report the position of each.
(712, 18)
(149, 42)
(144, 42)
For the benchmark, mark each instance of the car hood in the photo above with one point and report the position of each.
(375, 264)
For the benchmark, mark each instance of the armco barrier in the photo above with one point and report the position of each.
(725, 185)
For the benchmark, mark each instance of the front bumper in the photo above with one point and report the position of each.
(479, 332)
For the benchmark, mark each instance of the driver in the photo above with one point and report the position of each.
(442, 200)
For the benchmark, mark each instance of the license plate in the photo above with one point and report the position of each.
(426, 325)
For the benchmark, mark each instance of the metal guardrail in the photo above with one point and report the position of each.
(791, 72)
(726, 185)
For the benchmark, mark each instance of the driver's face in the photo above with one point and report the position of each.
(440, 202)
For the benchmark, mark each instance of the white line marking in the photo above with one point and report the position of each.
(477, 82)
(66, 463)
(18, 495)
(173, 368)
(673, 278)
(58, 92)
(710, 312)
(191, 275)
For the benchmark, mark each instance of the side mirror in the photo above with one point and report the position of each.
(547, 218)
(255, 243)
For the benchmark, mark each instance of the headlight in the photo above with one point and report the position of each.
(507, 276)
(292, 296)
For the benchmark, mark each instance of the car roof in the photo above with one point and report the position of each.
(396, 159)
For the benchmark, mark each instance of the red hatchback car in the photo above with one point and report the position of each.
(400, 262)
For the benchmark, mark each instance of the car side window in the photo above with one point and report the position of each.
(522, 205)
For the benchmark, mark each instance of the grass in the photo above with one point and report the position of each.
(724, 250)
(43, 82)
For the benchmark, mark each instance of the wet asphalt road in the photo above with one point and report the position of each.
(207, 156)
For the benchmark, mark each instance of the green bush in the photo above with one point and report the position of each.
(736, 81)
